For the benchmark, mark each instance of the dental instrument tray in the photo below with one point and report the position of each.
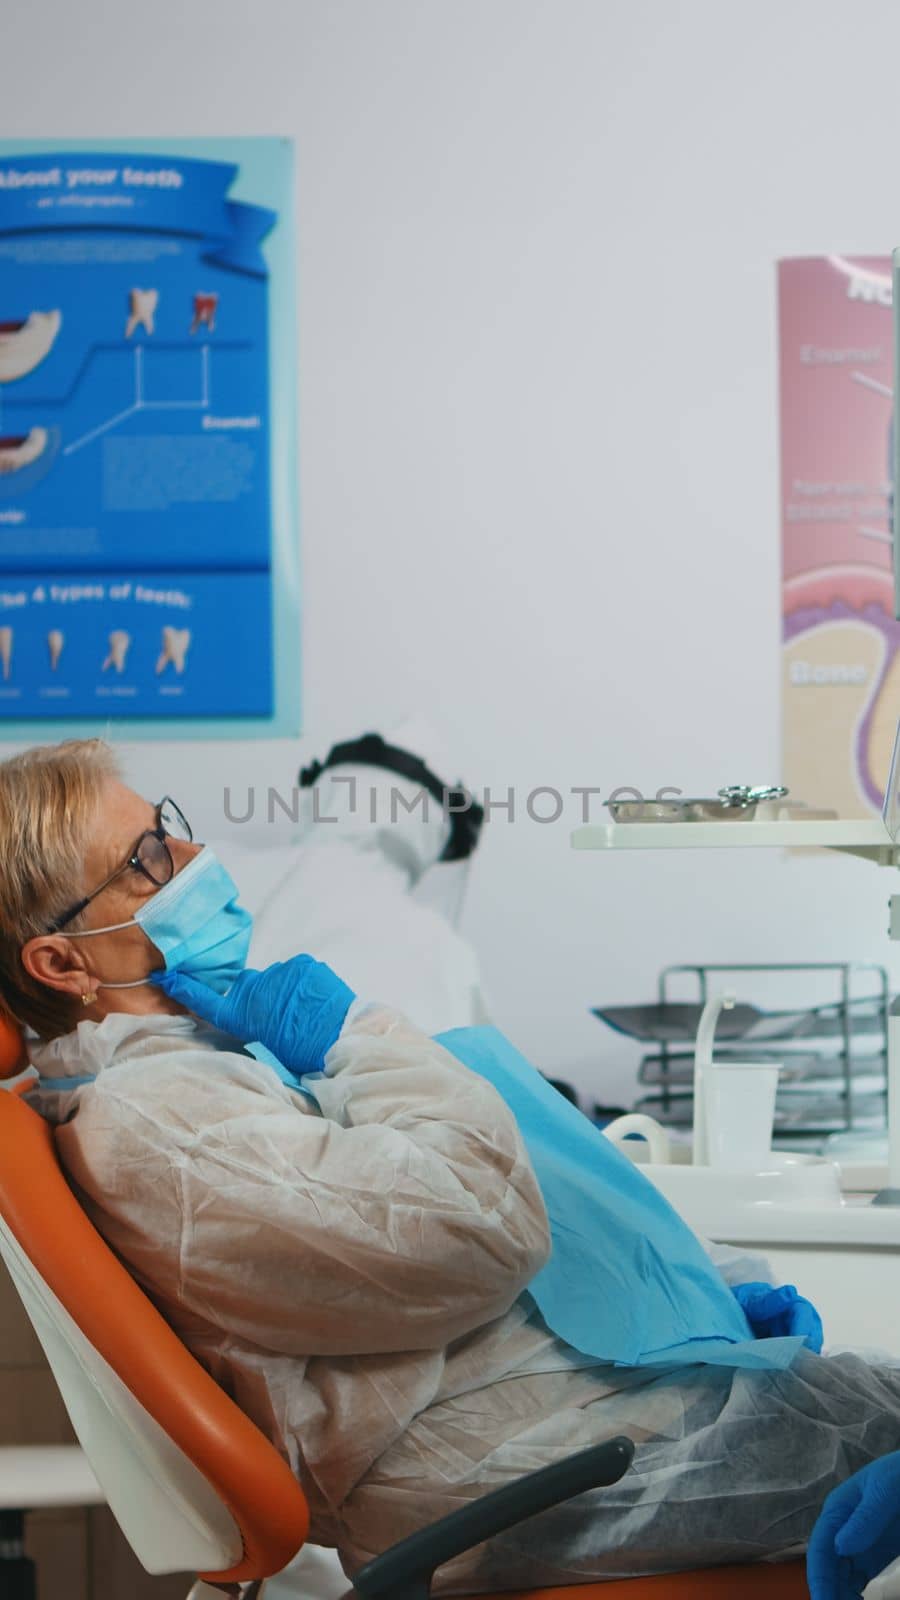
(677, 1023)
(833, 1053)
(736, 802)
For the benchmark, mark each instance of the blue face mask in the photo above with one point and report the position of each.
(196, 924)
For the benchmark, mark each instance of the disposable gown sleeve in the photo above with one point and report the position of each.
(738, 1266)
(404, 1217)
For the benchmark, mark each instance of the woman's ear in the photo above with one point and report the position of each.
(51, 959)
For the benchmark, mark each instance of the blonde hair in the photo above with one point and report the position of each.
(49, 798)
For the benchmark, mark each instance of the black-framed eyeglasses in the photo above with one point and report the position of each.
(151, 856)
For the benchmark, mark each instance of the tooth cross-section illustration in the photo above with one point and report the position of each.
(206, 304)
(18, 450)
(119, 642)
(55, 642)
(175, 646)
(23, 345)
(6, 646)
(142, 304)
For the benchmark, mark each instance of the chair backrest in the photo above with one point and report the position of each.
(191, 1481)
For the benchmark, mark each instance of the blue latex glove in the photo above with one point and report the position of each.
(295, 1008)
(857, 1534)
(773, 1313)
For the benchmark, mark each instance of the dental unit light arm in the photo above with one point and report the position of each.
(703, 1049)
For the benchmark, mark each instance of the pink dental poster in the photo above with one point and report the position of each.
(841, 644)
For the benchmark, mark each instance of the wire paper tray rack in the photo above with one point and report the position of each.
(834, 1054)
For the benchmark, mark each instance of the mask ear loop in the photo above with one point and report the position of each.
(114, 927)
(134, 983)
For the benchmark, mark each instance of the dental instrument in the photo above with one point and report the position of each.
(736, 802)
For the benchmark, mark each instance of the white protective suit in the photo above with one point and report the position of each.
(356, 1281)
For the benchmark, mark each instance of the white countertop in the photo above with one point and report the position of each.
(796, 1200)
(856, 1222)
(38, 1475)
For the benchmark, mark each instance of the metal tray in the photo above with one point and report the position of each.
(676, 1022)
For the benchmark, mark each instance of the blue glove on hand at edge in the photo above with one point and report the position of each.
(295, 1008)
(857, 1534)
(774, 1313)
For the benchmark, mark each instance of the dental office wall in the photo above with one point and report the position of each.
(538, 421)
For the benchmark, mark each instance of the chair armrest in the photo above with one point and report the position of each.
(405, 1571)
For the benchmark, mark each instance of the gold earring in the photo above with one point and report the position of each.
(88, 999)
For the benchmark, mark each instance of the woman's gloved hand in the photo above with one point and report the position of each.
(858, 1532)
(775, 1313)
(295, 1008)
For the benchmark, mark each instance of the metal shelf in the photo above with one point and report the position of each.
(837, 1051)
(859, 838)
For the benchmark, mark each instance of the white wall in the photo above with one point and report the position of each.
(538, 413)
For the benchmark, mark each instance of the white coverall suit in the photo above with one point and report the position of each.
(356, 1280)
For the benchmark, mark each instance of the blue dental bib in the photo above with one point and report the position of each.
(627, 1282)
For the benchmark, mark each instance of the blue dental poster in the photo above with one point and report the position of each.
(148, 540)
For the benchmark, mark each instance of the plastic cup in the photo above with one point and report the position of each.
(740, 1112)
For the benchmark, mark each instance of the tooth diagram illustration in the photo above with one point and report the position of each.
(55, 642)
(23, 345)
(175, 646)
(839, 614)
(119, 643)
(6, 647)
(206, 304)
(142, 304)
(21, 449)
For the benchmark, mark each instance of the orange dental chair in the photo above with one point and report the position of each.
(191, 1481)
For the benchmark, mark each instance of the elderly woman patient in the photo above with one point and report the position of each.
(344, 1227)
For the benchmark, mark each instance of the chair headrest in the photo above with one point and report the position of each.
(12, 1048)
